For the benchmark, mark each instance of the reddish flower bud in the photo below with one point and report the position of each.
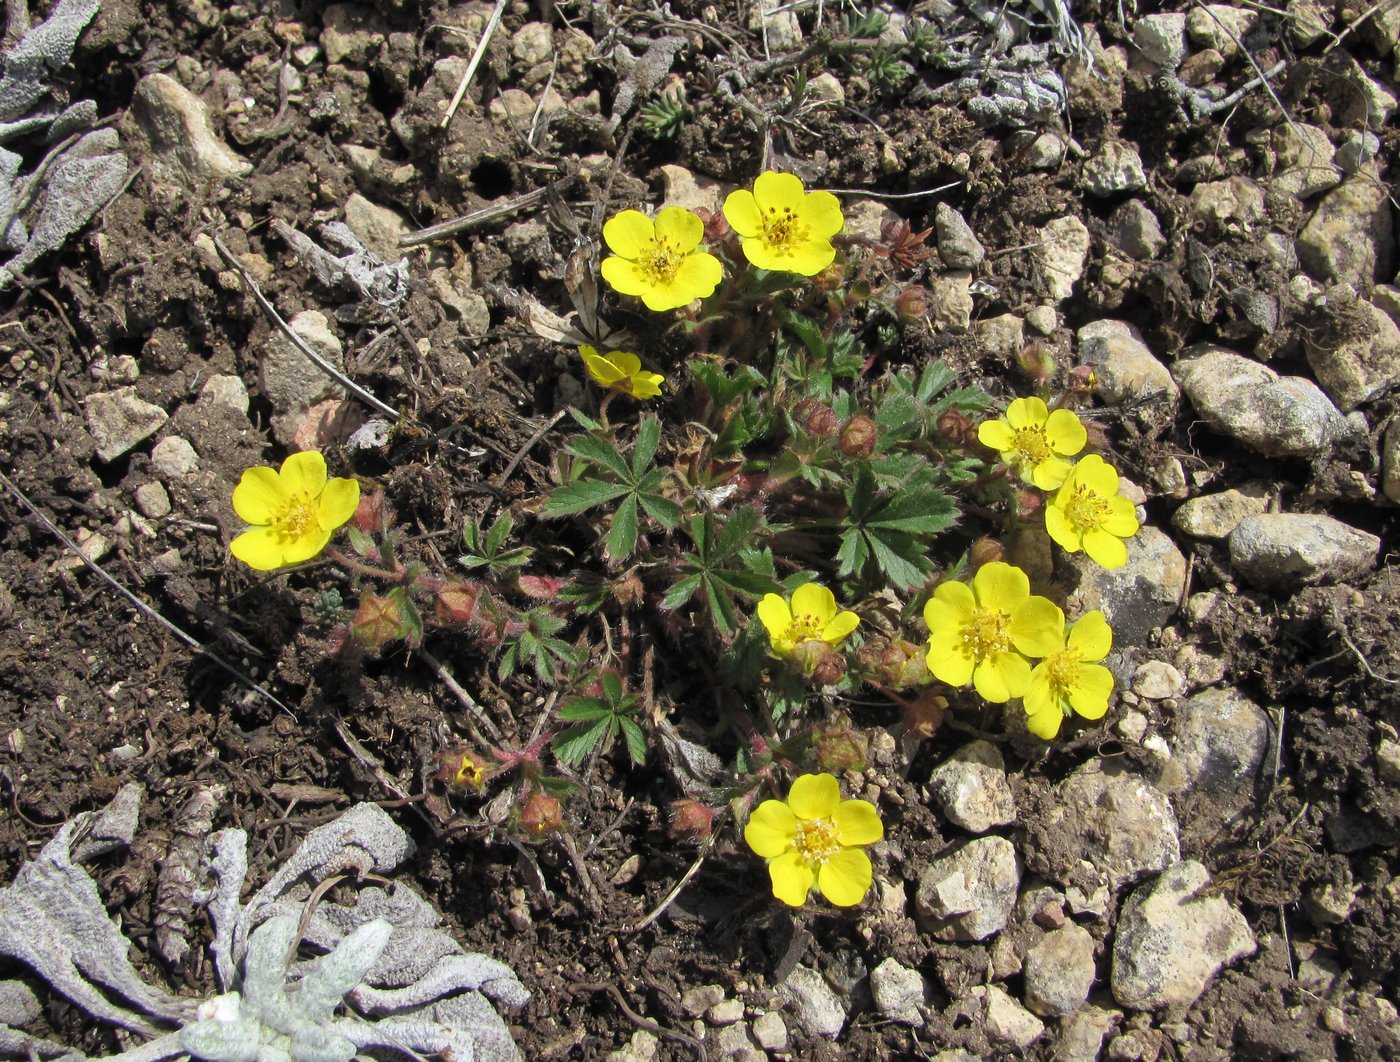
(830, 279)
(1037, 361)
(454, 605)
(628, 590)
(373, 516)
(463, 769)
(840, 747)
(821, 422)
(819, 662)
(911, 304)
(1082, 380)
(541, 814)
(1028, 503)
(716, 226)
(692, 821)
(924, 714)
(985, 551)
(954, 427)
(858, 436)
(378, 621)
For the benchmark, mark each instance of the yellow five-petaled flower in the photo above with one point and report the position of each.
(294, 510)
(622, 372)
(784, 227)
(983, 633)
(658, 260)
(1088, 513)
(812, 616)
(1035, 442)
(816, 838)
(1069, 678)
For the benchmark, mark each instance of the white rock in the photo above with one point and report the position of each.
(1288, 549)
(970, 788)
(682, 188)
(1138, 597)
(1218, 749)
(1235, 201)
(725, 1012)
(377, 227)
(950, 300)
(1082, 1034)
(1156, 680)
(152, 500)
(1350, 238)
(770, 1032)
(1161, 39)
(776, 25)
(1006, 1022)
(532, 43)
(958, 246)
(1357, 148)
(898, 992)
(1388, 760)
(967, 894)
(1171, 941)
(1220, 26)
(1216, 515)
(1046, 152)
(1274, 415)
(290, 380)
(733, 1041)
(118, 421)
(1126, 369)
(1059, 971)
(176, 122)
(695, 1001)
(174, 458)
(1115, 169)
(826, 87)
(1061, 250)
(1355, 367)
(225, 392)
(815, 1005)
(1003, 336)
(1303, 160)
(1043, 319)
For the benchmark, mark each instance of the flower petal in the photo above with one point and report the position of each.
(625, 278)
(603, 370)
(1026, 413)
(305, 546)
(304, 473)
(996, 434)
(742, 213)
(1122, 517)
(1058, 527)
(1001, 585)
(1046, 724)
(629, 233)
(857, 822)
(806, 259)
(793, 878)
(813, 599)
(1091, 635)
(647, 384)
(1091, 690)
(1104, 549)
(660, 297)
(1051, 472)
(1002, 676)
(681, 226)
(814, 796)
(840, 627)
(774, 614)
(1066, 432)
(822, 211)
(770, 829)
(1038, 627)
(845, 878)
(699, 275)
(778, 190)
(951, 605)
(260, 548)
(259, 497)
(1040, 696)
(953, 666)
(338, 503)
(1098, 475)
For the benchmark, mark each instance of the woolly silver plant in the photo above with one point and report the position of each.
(390, 984)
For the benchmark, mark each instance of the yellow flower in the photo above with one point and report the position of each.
(1067, 679)
(816, 838)
(1035, 441)
(813, 616)
(658, 260)
(1088, 513)
(983, 633)
(783, 226)
(620, 371)
(294, 511)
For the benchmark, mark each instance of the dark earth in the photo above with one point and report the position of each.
(93, 694)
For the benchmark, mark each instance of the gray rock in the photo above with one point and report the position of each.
(1156, 680)
(1059, 971)
(1308, 21)
(695, 1001)
(1115, 169)
(1082, 1034)
(950, 300)
(176, 123)
(1274, 415)
(1161, 39)
(1302, 160)
(826, 87)
(1135, 231)
(1390, 463)
(1061, 251)
(1330, 903)
(1003, 336)
(174, 458)
(776, 25)
(1216, 515)
(1357, 148)
(1140, 596)
(957, 245)
(1172, 941)
(532, 43)
(725, 1012)
(732, 1041)
(815, 1005)
(967, 894)
(1006, 1023)
(1355, 366)
(1218, 748)
(1235, 201)
(898, 992)
(1368, 104)
(1126, 369)
(1388, 760)
(1350, 238)
(152, 500)
(770, 1031)
(970, 788)
(378, 228)
(1117, 823)
(289, 379)
(1220, 26)
(1285, 549)
(225, 393)
(118, 421)
(1046, 152)
(352, 33)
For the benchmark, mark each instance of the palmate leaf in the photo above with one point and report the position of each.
(578, 497)
(622, 536)
(888, 534)
(636, 740)
(600, 452)
(574, 743)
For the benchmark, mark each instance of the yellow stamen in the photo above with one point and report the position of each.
(782, 231)
(987, 632)
(816, 841)
(1032, 444)
(804, 627)
(1086, 508)
(1063, 668)
(297, 517)
(661, 261)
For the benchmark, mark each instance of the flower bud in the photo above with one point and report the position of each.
(692, 821)
(1037, 361)
(627, 590)
(819, 662)
(858, 436)
(904, 665)
(955, 427)
(911, 304)
(716, 226)
(985, 551)
(821, 422)
(830, 279)
(923, 715)
(1028, 503)
(840, 747)
(454, 605)
(1082, 380)
(373, 516)
(378, 621)
(464, 769)
(541, 814)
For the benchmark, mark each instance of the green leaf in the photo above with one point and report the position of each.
(663, 510)
(681, 592)
(583, 709)
(622, 536)
(648, 438)
(852, 552)
(736, 529)
(722, 387)
(925, 512)
(721, 608)
(612, 689)
(636, 741)
(584, 421)
(600, 452)
(500, 531)
(750, 584)
(577, 497)
(573, 745)
(899, 557)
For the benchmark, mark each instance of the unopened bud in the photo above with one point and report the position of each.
(378, 621)
(716, 226)
(1037, 361)
(858, 436)
(1028, 503)
(904, 665)
(1097, 437)
(1082, 379)
(830, 279)
(454, 605)
(541, 814)
(819, 662)
(955, 427)
(911, 304)
(821, 422)
(924, 714)
(373, 515)
(627, 590)
(985, 551)
(692, 821)
(840, 747)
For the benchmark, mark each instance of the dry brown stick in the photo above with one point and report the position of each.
(476, 218)
(642, 1023)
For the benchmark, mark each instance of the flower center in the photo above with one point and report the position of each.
(783, 231)
(298, 517)
(661, 261)
(816, 841)
(1032, 444)
(1086, 508)
(804, 627)
(987, 633)
(1063, 667)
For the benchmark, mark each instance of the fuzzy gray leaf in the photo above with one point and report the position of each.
(452, 973)
(336, 973)
(76, 190)
(227, 853)
(48, 44)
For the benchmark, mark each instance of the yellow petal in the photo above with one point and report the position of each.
(1038, 627)
(699, 275)
(1104, 549)
(1046, 724)
(625, 278)
(629, 233)
(741, 211)
(953, 667)
(775, 615)
(1050, 473)
(807, 259)
(304, 473)
(1066, 432)
(996, 434)
(1026, 413)
(306, 546)
(840, 627)
(338, 503)
(822, 211)
(1122, 517)
(845, 878)
(792, 878)
(770, 829)
(1091, 690)
(658, 298)
(1058, 527)
(647, 384)
(1098, 475)
(814, 796)
(1092, 636)
(1000, 585)
(1041, 696)
(627, 364)
(259, 497)
(681, 226)
(951, 605)
(857, 822)
(778, 190)
(1000, 677)
(260, 548)
(602, 370)
(813, 599)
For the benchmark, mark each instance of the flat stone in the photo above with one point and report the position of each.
(898, 992)
(970, 788)
(174, 458)
(1356, 148)
(732, 1041)
(1003, 336)
(950, 301)
(1214, 516)
(957, 245)
(290, 380)
(176, 122)
(119, 421)
(1156, 680)
(1135, 231)
(1046, 152)
(770, 1031)
(725, 1012)
(1218, 748)
(152, 500)
(1006, 1022)
(1061, 250)
(1172, 940)
(1303, 160)
(1117, 168)
(377, 227)
(1289, 549)
(1140, 596)
(682, 188)
(695, 1001)
(816, 1007)
(1357, 365)
(968, 893)
(1161, 38)
(1350, 238)
(1126, 370)
(1059, 971)
(225, 393)
(1220, 26)
(1082, 1034)
(1308, 21)
(1235, 201)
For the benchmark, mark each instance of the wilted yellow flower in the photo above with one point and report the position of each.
(816, 838)
(620, 371)
(812, 616)
(657, 260)
(783, 226)
(1088, 513)
(294, 510)
(1035, 441)
(983, 633)
(1068, 679)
